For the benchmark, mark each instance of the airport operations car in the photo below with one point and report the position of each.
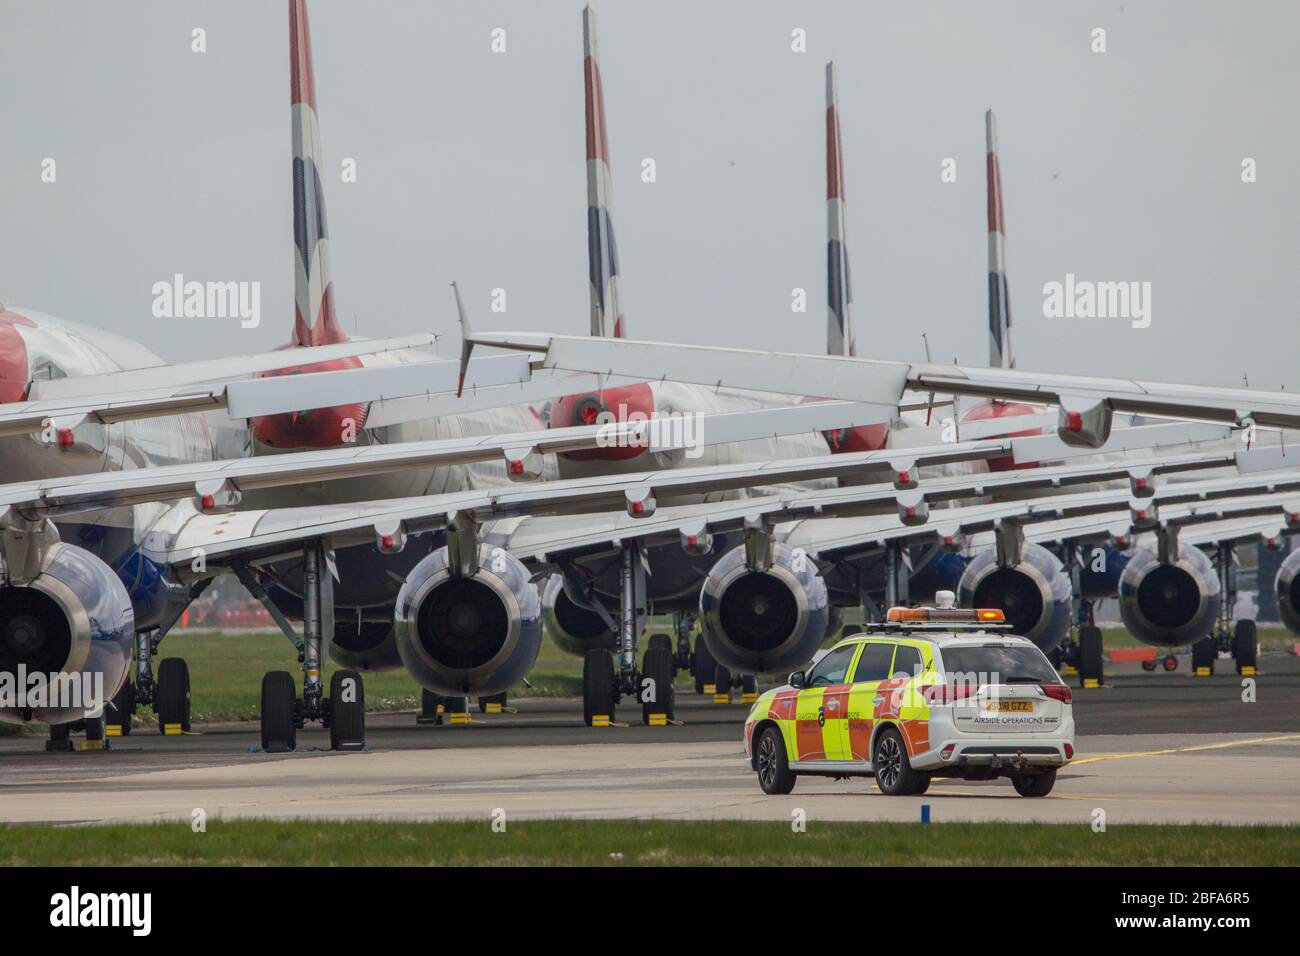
(931, 692)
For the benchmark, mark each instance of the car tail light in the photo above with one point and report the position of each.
(1059, 692)
(1069, 751)
(948, 693)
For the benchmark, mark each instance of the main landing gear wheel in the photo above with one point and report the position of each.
(598, 688)
(493, 704)
(347, 711)
(95, 739)
(60, 741)
(1034, 785)
(173, 696)
(1091, 666)
(704, 667)
(430, 704)
(774, 774)
(1204, 652)
(1245, 648)
(666, 642)
(894, 774)
(279, 730)
(118, 714)
(749, 688)
(721, 685)
(656, 687)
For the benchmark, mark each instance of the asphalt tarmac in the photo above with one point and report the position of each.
(1152, 747)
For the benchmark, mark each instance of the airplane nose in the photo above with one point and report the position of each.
(14, 371)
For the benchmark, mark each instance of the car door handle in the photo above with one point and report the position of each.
(877, 699)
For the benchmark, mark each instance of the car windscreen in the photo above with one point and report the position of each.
(992, 663)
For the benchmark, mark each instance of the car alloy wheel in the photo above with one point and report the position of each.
(889, 762)
(767, 760)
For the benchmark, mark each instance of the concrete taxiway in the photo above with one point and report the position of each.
(1153, 748)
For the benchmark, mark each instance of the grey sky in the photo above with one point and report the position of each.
(1117, 166)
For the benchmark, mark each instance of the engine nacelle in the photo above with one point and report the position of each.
(1034, 593)
(770, 621)
(573, 626)
(72, 621)
(1287, 586)
(468, 635)
(368, 646)
(1169, 604)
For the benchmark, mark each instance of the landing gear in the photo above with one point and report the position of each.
(60, 741)
(1204, 653)
(280, 718)
(172, 697)
(95, 739)
(683, 623)
(664, 642)
(283, 713)
(598, 697)
(704, 667)
(1090, 657)
(457, 709)
(657, 692)
(722, 682)
(748, 688)
(118, 714)
(1245, 648)
(431, 708)
(347, 711)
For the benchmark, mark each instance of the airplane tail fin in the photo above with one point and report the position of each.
(839, 337)
(1000, 354)
(315, 322)
(602, 250)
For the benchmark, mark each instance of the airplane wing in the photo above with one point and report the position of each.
(222, 482)
(174, 389)
(1086, 404)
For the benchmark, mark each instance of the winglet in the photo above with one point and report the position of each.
(839, 333)
(466, 346)
(602, 250)
(1000, 354)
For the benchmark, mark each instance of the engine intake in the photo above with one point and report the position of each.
(764, 621)
(74, 620)
(1169, 604)
(573, 626)
(1034, 593)
(1287, 586)
(468, 635)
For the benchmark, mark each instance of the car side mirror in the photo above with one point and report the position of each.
(796, 679)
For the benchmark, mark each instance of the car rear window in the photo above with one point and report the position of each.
(991, 663)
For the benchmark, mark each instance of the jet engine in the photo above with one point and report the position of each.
(1287, 586)
(574, 626)
(1034, 593)
(72, 619)
(764, 621)
(468, 634)
(1168, 603)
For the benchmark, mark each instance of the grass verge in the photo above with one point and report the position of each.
(645, 843)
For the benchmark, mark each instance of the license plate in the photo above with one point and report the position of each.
(1011, 706)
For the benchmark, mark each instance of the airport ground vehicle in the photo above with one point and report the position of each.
(932, 692)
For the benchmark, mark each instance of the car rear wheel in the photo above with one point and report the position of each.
(894, 774)
(1034, 785)
(774, 774)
